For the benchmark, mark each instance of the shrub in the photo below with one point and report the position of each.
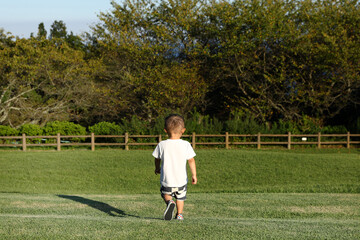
(136, 126)
(64, 128)
(243, 124)
(158, 126)
(203, 124)
(305, 125)
(8, 131)
(334, 130)
(31, 129)
(282, 127)
(309, 125)
(106, 128)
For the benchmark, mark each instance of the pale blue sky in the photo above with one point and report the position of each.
(22, 17)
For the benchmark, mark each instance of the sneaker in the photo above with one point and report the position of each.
(169, 211)
(179, 216)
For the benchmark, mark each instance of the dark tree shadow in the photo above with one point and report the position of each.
(104, 207)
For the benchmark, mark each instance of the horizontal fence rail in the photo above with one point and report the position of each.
(225, 140)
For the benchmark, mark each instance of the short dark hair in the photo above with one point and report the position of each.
(174, 122)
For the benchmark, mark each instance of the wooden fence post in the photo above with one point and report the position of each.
(226, 140)
(126, 141)
(289, 140)
(348, 140)
(258, 140)
(319, 140)
(24, 142)
(92, 141)
(58, 142)
(193, 140)
(159, 138)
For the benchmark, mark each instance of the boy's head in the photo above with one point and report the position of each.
(174, 123)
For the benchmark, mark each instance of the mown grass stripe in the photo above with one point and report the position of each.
(78, 217)
(193, 219)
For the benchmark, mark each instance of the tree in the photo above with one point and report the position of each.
(41, 81)
(149, 53)
(330, 79)
(74, 41)
(42, 33)
(285, 59)
(58, 30)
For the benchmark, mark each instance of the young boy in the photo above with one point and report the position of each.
(172, 154)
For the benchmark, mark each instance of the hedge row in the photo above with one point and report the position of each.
(195, 123)
(50, 129)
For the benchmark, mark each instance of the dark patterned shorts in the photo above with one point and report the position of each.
(178, 192)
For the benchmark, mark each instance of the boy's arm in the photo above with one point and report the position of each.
(157, 165)
(192, 166)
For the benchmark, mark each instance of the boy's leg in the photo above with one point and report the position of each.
(166, 194)
(167, 198)
(180, 206)
(180, 199)
(169, 211)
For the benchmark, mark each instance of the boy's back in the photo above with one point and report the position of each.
(174, 154)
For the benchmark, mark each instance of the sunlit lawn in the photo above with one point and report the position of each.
(242, 194)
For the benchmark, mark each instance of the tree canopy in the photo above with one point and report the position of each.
(271, 60)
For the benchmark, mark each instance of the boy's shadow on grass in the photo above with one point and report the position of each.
(104, 207)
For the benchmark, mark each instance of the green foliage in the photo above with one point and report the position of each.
(287, 65)
(42, 33)
(64, 128)
(146, 59)
(202, 124)
(58, 30)
(283, 58)
(42, 80)
(243, 124)
(284, 127)
(8, 131)
(158, 125)
(106, 128)
(309, 125)
(305, 125)
(135, 126)
(31, 129)
(334, 130)
(272, 59)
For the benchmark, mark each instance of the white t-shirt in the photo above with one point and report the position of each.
(173, 155)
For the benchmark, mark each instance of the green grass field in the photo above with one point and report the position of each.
(242, 194)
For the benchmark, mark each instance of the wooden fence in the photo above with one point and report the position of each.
(226, 140)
